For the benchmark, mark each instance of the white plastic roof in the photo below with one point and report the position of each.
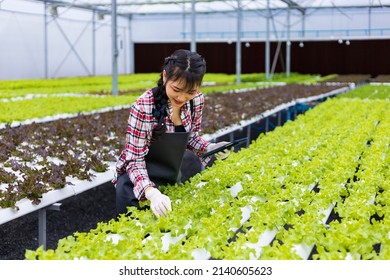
(212, 6)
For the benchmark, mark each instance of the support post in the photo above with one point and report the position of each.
(193, 26)
(42, 227)
(267, 44)
(42, 223)
(45, 36)
(288, 46)
(238, 44)
(114, 48)
(248, 134)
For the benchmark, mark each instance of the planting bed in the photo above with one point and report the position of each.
(316, 188)
(224, 109)
(81, 147)
(381, 79)
(40, 157)
(353, 78)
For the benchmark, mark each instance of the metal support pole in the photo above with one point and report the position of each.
(231, 136)
(193, 26)
(45, 36)
(369, 21)
(94, 42)
(42, 222)
(114, 48)
(288, 46)
(42, 227)
(279, 118)
(267, 44)
(238, 44)
(248, 134)
(303, 24)
(266, 124)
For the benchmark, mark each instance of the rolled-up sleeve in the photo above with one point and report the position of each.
(132, 159)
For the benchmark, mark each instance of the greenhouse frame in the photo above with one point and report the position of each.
(303, 87)
(73, 36)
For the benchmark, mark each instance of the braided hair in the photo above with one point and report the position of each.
(182, 64)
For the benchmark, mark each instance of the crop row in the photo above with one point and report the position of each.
(39, 107)
(40, 157)
(230, 108)
(316, 188)
(370, 92)
(132, 83)
(18, 103)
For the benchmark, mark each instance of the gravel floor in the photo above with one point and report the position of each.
(79, 213)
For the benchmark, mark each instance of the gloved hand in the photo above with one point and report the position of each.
(222, 154)
(159, 202)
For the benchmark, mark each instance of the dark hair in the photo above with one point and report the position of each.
(182, 64)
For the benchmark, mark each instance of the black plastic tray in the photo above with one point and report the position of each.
(227, 146)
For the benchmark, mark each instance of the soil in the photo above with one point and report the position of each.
(78, 213)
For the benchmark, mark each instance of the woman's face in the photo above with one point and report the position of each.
(178, 93)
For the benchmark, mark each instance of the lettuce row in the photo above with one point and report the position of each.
(94, 84)
(369, 91)
(306, 208)
(82, 142)
(39, 106)
(270, 199)
(136, 83)
(37, 158)
(42, 107)
(364, 227)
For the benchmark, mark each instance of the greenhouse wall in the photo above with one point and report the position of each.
(313, 57)
(77, 42)
(314, 25)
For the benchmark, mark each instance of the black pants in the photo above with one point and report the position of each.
(124, 194)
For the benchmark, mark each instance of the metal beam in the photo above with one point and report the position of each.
(115, 52)
(294, 5)
(267, 43)
(68, 4)
(45, 38)
(143, 3)
(71, 46)
(98, 6)
(288, 46)
(290, 3)
(238, 43)
(193, 26)
(123, 13)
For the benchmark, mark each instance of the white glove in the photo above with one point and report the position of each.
(159, 202)
(222, 154)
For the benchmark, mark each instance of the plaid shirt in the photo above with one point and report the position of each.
(140, 125)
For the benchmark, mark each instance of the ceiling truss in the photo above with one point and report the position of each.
(105, 7)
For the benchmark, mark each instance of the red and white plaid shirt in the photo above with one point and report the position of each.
(140, 125)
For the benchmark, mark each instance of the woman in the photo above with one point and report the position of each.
(163, 123)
